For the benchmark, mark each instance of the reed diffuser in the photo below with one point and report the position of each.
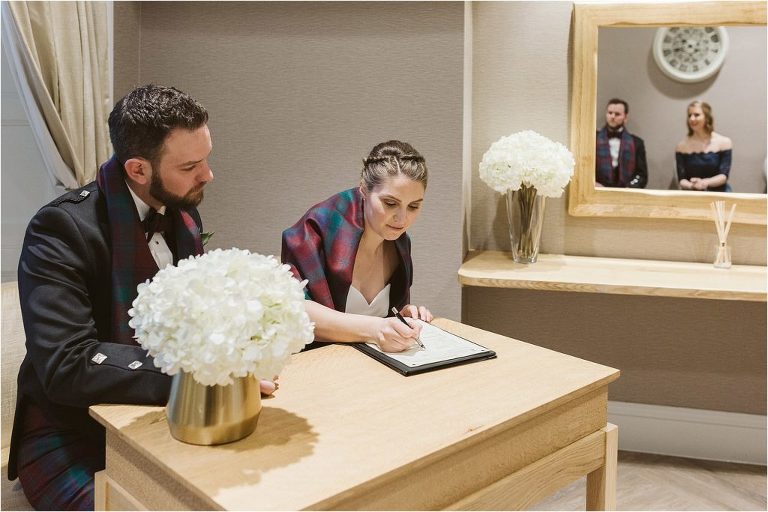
(723, 226)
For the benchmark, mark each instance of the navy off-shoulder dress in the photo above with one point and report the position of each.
(704, 165)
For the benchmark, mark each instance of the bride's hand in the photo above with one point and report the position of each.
(419, 312)
(392, 335)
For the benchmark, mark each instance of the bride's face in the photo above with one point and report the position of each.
(392, 206)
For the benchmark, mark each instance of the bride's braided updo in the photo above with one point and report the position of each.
(390, 159)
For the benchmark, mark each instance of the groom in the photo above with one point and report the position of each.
(82, 258)
(620, 156)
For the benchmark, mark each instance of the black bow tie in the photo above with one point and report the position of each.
(613, 134)
(156, 222)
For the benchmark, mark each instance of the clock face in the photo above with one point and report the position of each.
(690, 54)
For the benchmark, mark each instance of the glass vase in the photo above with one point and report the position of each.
(723, 256)
(525, 212)
(207, 415)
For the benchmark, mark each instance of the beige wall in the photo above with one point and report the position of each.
(298, 94)
(737, 94)
(678, 352)
(691, 353)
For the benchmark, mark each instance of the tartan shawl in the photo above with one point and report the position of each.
(604, 164)
(132, 262)
(321, 248)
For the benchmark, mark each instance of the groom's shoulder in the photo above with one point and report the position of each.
(86, 194)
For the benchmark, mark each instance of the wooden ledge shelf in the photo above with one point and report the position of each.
(559, 272)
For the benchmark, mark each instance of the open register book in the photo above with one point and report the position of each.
(441, 349)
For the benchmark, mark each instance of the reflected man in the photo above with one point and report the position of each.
(620, 156)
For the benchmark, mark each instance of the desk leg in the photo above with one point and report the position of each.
(601, 483)
(109, 495)
(99, 491)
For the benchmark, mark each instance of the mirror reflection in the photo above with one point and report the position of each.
(682, 108)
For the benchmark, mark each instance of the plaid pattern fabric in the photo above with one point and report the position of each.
(321, 248)
(604, 171)
(132, 263)
(56, 466)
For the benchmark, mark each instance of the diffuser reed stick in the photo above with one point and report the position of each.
(723, 226)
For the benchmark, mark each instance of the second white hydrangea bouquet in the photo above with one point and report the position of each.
(527, 159)
(222, 315)
(528, 167)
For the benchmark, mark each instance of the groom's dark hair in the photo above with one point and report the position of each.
(140, 122)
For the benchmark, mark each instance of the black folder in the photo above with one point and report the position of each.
(434, 339)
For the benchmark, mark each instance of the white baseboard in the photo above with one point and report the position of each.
(692, 433)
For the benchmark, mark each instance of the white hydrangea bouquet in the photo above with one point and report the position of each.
(222, 315)
(528, 167)
(527, 159)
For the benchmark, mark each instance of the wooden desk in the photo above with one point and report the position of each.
(564, 273)
(346, 432)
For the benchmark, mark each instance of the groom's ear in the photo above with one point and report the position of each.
(138, 170)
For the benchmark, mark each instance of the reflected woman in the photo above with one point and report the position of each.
(704, 156)
(354, 252)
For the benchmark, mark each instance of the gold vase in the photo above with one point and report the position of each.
(200, 414)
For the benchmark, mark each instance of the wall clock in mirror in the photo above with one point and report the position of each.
(690, 54)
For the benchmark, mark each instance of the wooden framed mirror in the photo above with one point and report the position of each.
(585, 199)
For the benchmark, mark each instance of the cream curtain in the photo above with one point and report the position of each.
(62, 52)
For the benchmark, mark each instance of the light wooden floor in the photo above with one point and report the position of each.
(657, 482)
